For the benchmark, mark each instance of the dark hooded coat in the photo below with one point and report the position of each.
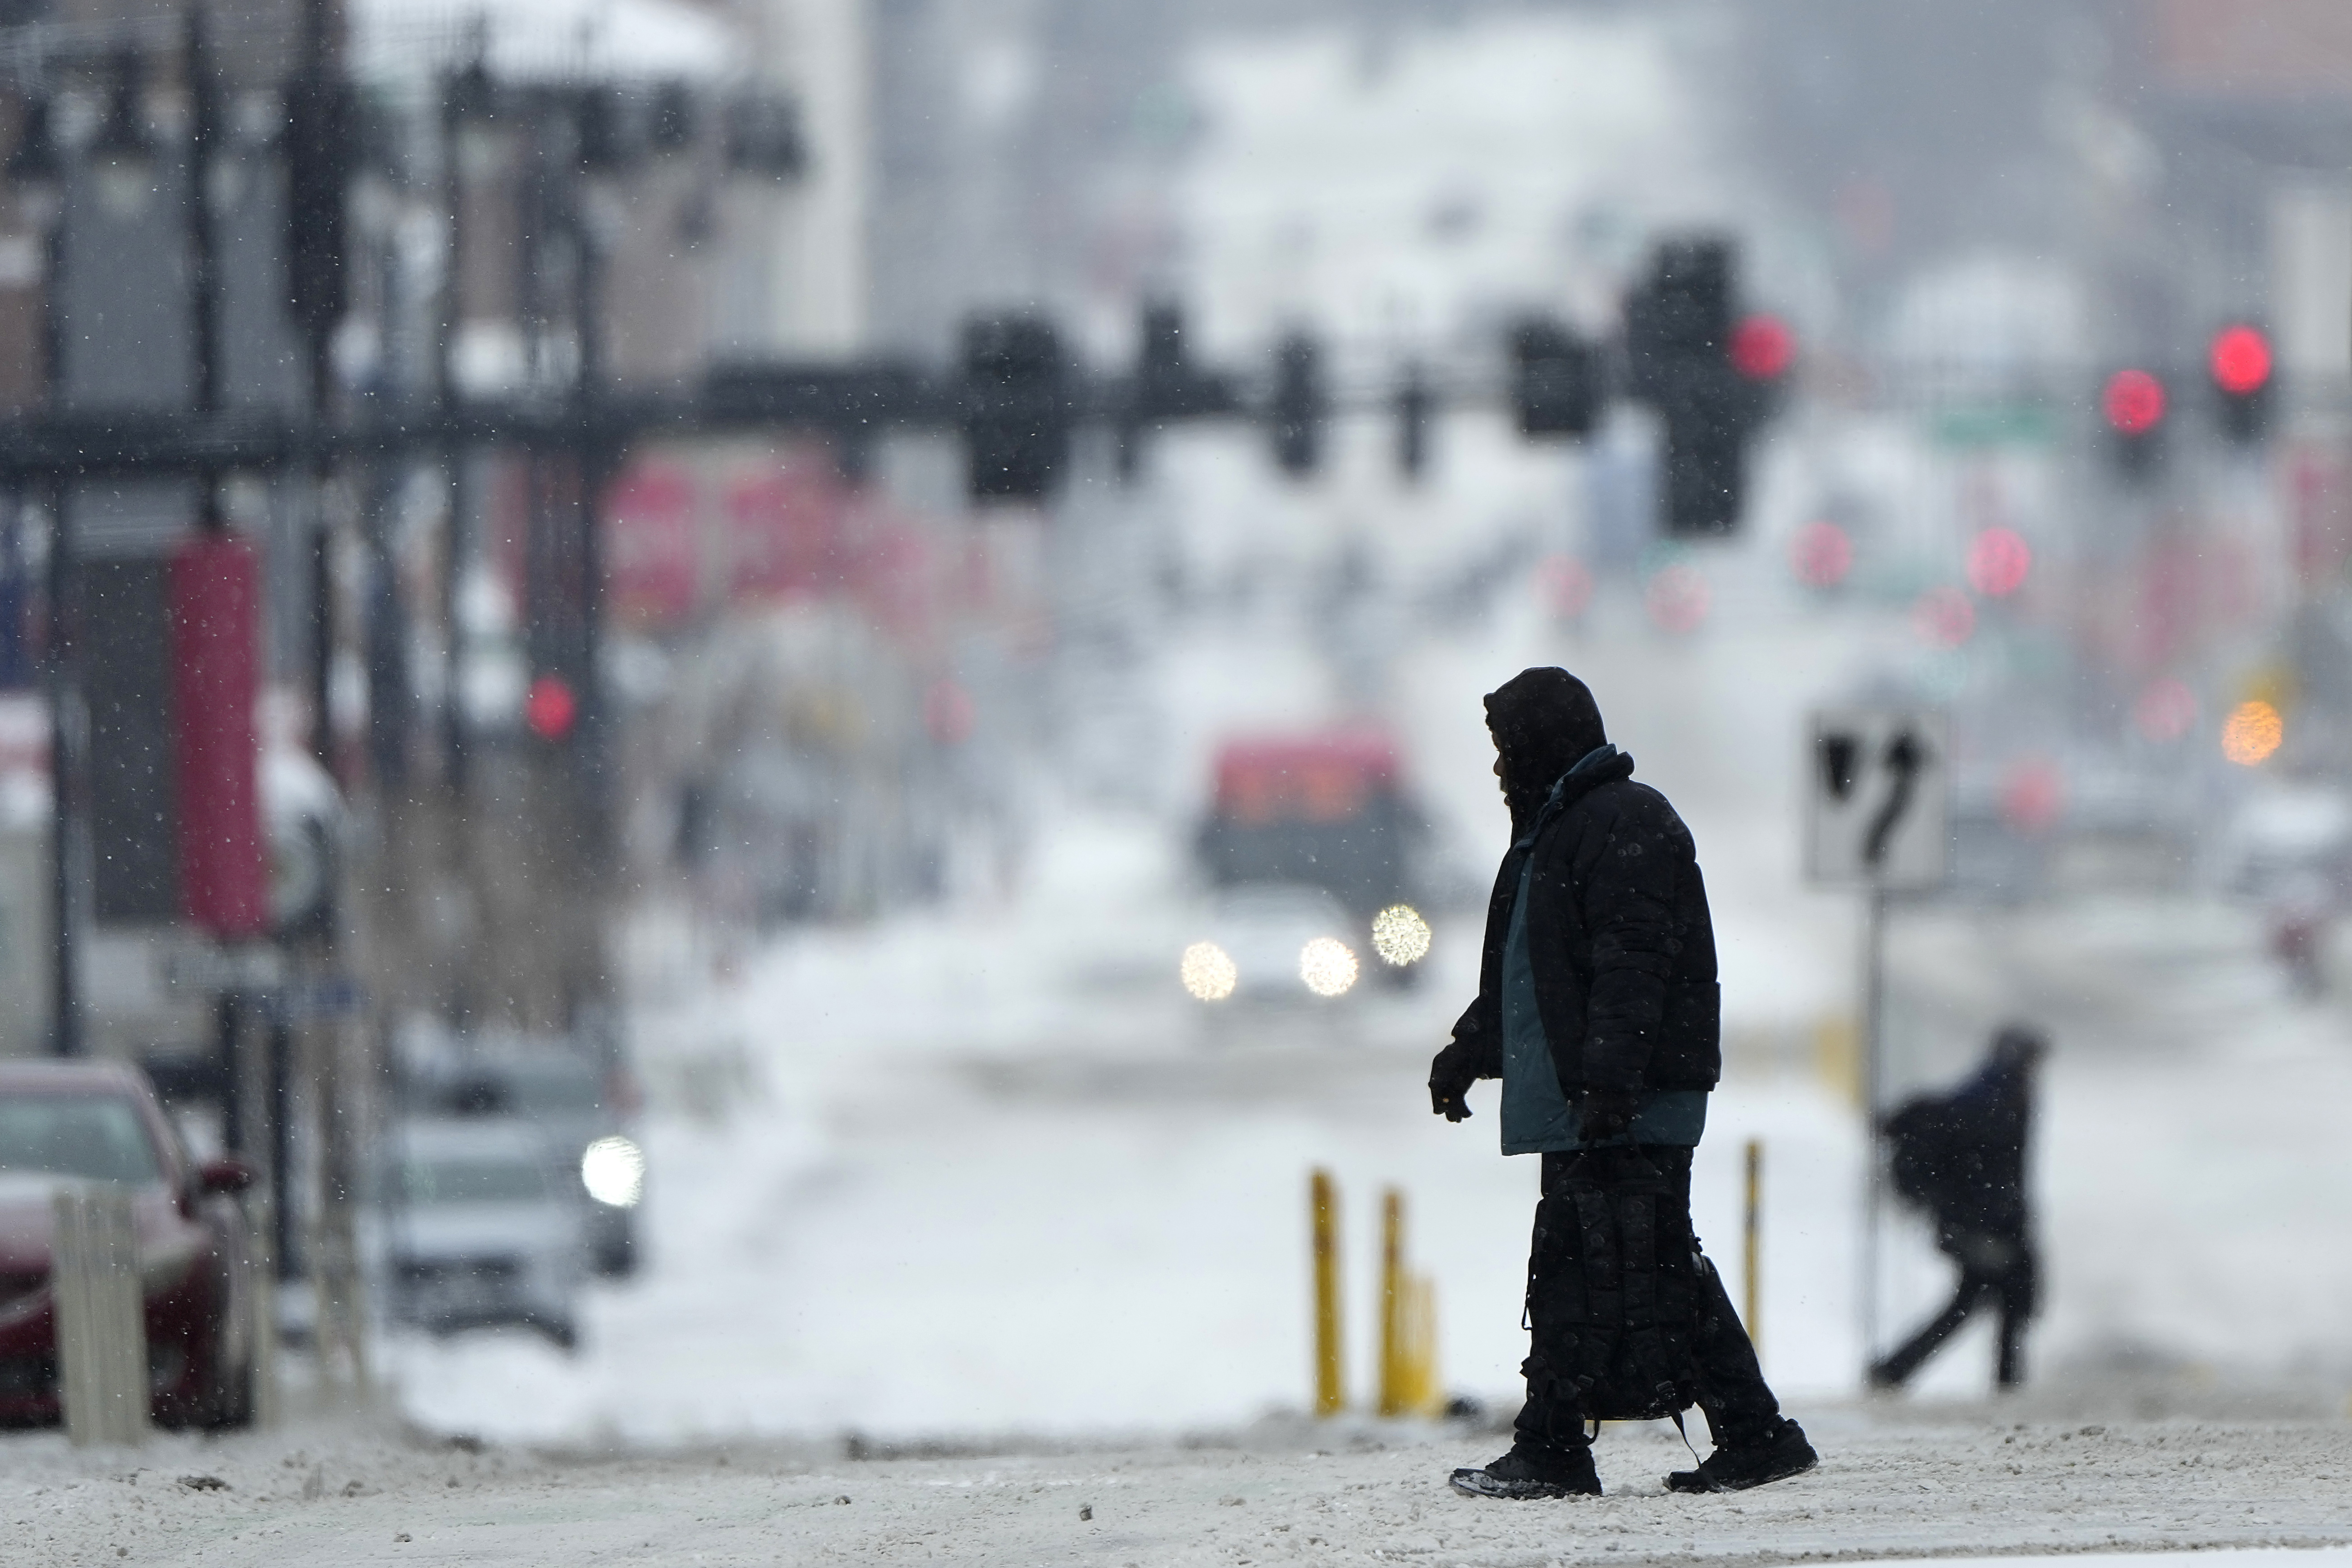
(1961, 1155)
(1619, 939)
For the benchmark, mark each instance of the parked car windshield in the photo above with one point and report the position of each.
(554, 1088)
(479, 1179)
(95, 1137)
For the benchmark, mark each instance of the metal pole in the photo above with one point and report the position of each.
(65, 782)
(322, 628)
(1751, 1244)
(594, 467)
(318, 51)
(1874, 1069)
(449, 309)
(60, 676)
(279, 1110)
(204, 264)
(227, 1036)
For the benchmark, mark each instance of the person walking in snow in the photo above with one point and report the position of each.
(1598, 1009)
(1960, 1157)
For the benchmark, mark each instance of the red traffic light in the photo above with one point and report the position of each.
(2134, 402)
(1998, 559)
(1762, 348)
(1821, 554)
(549, 708)
(2241, 360)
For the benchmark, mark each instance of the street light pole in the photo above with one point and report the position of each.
(37, 171)
(594, 471)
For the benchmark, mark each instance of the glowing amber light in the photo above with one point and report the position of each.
(1400, 935)
(1207, 973)
(1328, 966)
(2254, 731)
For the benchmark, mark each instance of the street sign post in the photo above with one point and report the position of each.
(1877, 818)
(1878, 808)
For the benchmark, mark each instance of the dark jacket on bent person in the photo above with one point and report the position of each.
(1961, 1155)
(1619, 937)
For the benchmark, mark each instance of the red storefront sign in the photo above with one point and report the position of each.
(653, 559)
(214, 605)
(784, 531)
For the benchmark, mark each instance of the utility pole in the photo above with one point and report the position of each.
(202, 86)
(37, 169)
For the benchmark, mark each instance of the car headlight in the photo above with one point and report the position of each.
(1208, 972)
(613, 1171)
(1328, 966)
(1400, 935)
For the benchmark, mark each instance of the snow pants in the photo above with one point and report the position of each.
(1996, 1271)
(1739, 1406)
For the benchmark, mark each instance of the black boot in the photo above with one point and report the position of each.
(1734, 1468)
(1527, 1471)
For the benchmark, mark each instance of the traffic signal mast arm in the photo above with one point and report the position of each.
(1014, 397)
(825, 397)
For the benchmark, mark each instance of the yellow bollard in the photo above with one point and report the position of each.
(1424, 1394)
(1323, 1208)
(1751, 1241)
(1409, 1383)
(1394, 1286)
(1837, 1057)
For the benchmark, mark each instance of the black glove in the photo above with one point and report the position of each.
(1606, 1113)
(1451, 1074)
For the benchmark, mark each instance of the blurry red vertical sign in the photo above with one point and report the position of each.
(214, 602)
(653, 559)
(2321, 509)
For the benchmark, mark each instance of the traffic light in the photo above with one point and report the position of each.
(2242, 370)
(551, 708)
(1555, 379)
(2134, 403)
(1300, 405)
(603, 144)
(1161, 381)
(1711, 385)
(1414, 403)
(1763, 348)
(1016, 415)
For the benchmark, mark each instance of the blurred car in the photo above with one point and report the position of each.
(1325, 810)
(473, 1232)
(583, 1113)
(1272, 941)
(2286, 838)
(94, 1122)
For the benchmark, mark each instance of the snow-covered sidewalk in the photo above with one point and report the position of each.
(1964, 1481)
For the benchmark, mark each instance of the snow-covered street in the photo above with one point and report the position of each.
(1971, 1482)
(987, 1170)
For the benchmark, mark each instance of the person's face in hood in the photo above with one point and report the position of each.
(1542, 722)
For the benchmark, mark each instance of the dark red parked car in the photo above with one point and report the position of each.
(99, 1121)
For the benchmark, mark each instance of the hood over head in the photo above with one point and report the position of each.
(2018, 1044)
(1544, 720)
